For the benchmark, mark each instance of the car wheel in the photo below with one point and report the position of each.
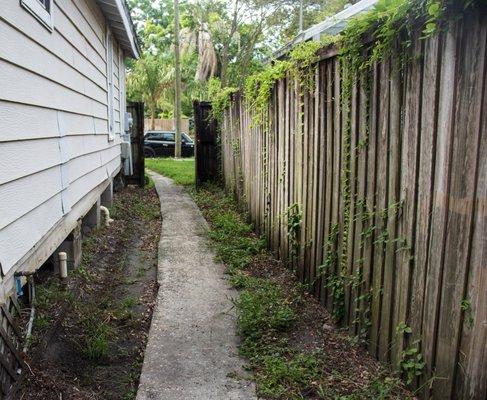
(149, 153)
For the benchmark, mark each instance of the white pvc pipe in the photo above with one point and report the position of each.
(63, 265)
(32, 313)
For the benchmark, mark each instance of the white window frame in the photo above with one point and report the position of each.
(44, 16)
(121, 85)
(110, 86)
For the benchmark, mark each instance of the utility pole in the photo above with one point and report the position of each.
(301, 16)
(177, 67)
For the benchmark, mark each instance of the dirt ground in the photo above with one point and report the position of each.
(88, 340)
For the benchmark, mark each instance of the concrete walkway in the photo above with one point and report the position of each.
(192, 348)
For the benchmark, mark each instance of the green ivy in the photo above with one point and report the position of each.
(298, 66)
(385, 32)
(412, 362)
(294, 218)
(222, 100)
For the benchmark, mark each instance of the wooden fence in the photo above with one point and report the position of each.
(11, 337)
(167, 124)
(404, 232)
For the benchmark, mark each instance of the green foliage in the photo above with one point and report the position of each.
(381, 388)
(466, 307)
(334, 280)
(391, 25)
(232, 238)
(294, 217)
(434, 10)
(144, 210)
(268, 312)
(94, 341)
(263, 308)
(47, 295)
(149, 79)
(299, 66)
(149, 182)
(281, 375)
(258, 88)
(128, 302)
(221, 100)
(182, 171)
(412, 362)
(403, 328)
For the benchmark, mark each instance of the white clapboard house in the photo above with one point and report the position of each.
(62, 120)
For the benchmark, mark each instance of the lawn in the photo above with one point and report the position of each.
(182, 171)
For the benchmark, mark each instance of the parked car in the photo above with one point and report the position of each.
(162, 144)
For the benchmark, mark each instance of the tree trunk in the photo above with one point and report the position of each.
(224, 65)
(177, 67)
(152, 118)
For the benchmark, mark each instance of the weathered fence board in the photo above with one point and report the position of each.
(411, 246)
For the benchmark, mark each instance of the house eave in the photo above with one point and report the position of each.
(117, 14)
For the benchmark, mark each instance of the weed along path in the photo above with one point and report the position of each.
(192, 348)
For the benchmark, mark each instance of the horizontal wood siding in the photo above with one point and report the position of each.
(415, 249)
(54, 142)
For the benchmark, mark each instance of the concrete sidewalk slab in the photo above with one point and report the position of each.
(192, 347)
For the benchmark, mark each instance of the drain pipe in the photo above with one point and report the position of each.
(63, 272)
(32, 295)
(32, 292)
(63, 266)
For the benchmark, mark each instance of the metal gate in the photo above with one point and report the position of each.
(137, 144)
(206, 139)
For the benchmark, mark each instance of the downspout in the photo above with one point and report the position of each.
(128, 164)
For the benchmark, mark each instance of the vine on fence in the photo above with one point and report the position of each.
(385, 32)
(294, 217)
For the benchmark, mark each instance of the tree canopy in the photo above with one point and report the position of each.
(221, 41)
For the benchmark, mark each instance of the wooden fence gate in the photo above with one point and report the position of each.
(206, 139)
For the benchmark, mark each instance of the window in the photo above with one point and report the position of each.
(46, 4)
(168, 137)
(41, 9)
(121, 85)
(154, 136)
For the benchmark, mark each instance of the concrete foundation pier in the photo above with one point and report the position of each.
(107, 196)
(92, 219)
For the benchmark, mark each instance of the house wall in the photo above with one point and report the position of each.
(56, 154)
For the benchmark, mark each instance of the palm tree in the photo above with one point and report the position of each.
(149, 80)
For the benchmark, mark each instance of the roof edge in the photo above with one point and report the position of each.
(129, 26)
(118, 16)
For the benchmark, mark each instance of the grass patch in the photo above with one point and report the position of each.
(128, 302)
(269, 316)
(181, 171)
(94, 342)
(149, 182)
(144, 211)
